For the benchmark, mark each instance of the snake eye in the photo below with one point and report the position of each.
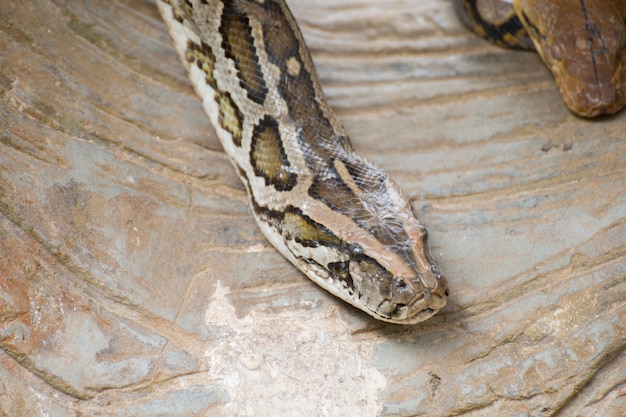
(355, 252)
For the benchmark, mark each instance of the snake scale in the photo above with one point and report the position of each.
(582, 42)
(337, 217)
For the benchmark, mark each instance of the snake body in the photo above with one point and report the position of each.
(337, 217)
(582, 42)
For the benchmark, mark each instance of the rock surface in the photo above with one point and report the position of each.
(134, 282)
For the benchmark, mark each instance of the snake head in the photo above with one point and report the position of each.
(584, 45)
(371, 252)
(400, 284)
(405, 297)
(396, 282)
(392, 275)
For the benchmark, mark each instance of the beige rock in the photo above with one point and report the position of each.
(133, 280)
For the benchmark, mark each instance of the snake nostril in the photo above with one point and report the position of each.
(399, 283)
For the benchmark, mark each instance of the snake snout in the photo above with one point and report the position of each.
(590, 99)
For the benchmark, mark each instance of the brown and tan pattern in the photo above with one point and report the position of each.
(333, 214)
(135, 281)
(229, 115)
(268, 157)
(301, 229)
(238, 45)
(202, 56)
(583, 43)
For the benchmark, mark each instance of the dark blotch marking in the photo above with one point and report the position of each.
(229, 115)
(268, 156)
(238, 45)
(292, 224)
(341, 271)
(510, 33)
(321, 145)
(317, 137)
(202, 56)
(295, 225)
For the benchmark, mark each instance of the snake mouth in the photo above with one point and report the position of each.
(431, 301)
(422, 307)
(422, 315)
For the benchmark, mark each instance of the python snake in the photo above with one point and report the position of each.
(337, 217)
(583, 43)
